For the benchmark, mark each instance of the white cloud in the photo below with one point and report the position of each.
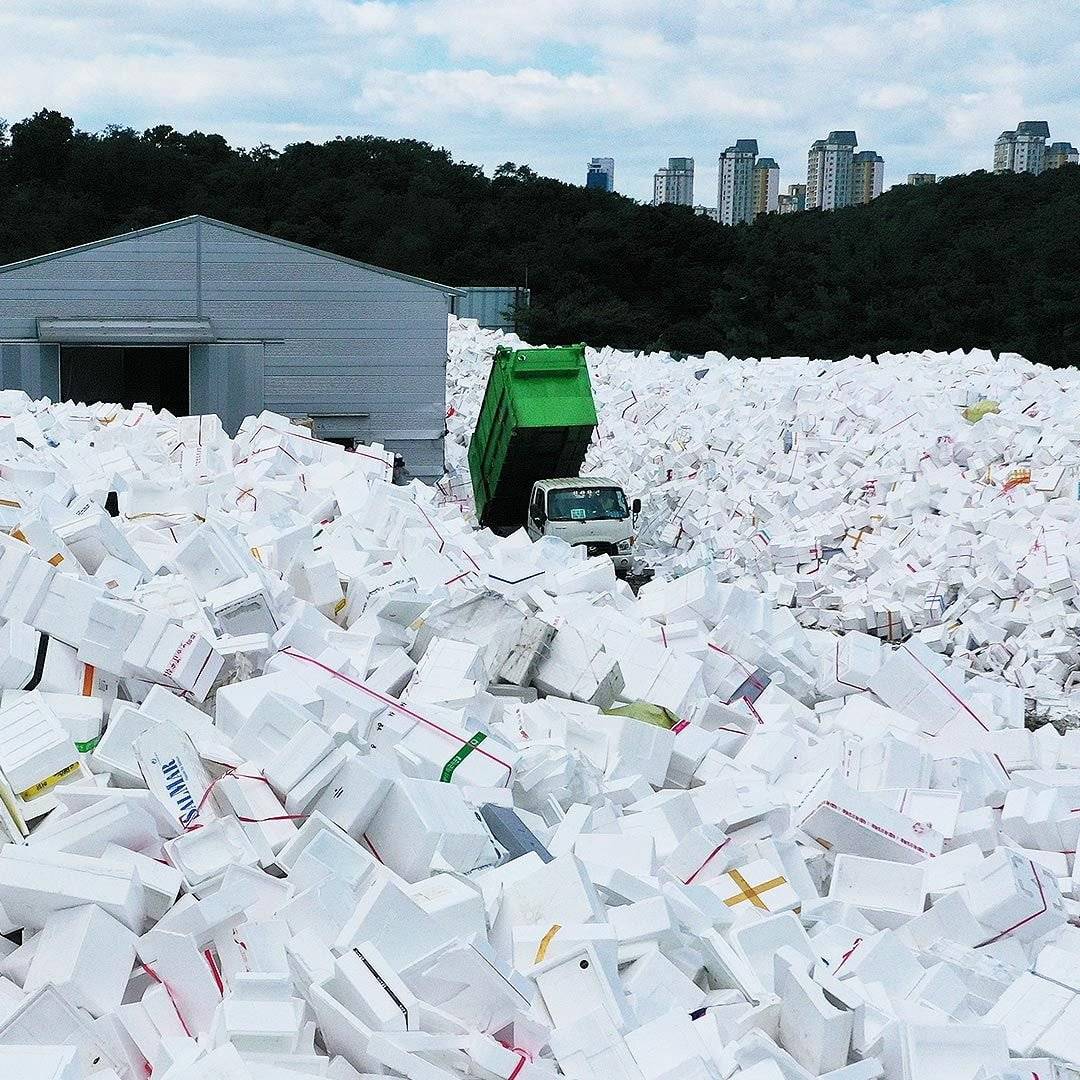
(894, 96)
(367, 17)
(529, 96)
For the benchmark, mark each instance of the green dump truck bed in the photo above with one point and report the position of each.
(535, 423)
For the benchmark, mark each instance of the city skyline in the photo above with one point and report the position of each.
(929, 83)
(836, 174)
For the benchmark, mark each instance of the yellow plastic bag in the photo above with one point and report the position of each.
(974, 413)
(656, 715)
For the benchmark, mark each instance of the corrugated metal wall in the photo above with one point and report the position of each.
(334, 338)
(492, 306)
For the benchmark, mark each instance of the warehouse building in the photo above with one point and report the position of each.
(198, 316)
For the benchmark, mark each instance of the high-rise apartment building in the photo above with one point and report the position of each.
(735, 182)
(675, 183)
(793, 200)
(601, 174)
(828, 171)
(917, 179)
(766, 186)
(1022, 150)
(1060, 153)
(867, 176)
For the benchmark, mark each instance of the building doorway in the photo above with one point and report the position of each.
(126, 374)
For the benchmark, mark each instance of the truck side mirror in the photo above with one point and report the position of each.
(635, 507)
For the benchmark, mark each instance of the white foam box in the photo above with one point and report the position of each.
(575, 666)
(93, 537)
(209, 559)
(814, 1028)
(18, 653)
(393, 674)
(64, 612)
(657, 985)
(938, 809)
(366, 984)
(265, 821)
(243, 607)
(35, 883)
(635, 748)
(317, 581)
(701, 854)
(160, 882)
(238, 702)
(842, 819)
(65, 673)
(907, 682)
(36, 754)
(112, 820)
(320, 850)
(302, 753)
(759, 941)
(1014, 897)
(111, 628)
(303, 794)
(1060, 1040)
(264, 734)
(354, 796)
(29, 586)
(1027, 1008)
(115, 751)
(88, 955)
(82, 717)
(182, 967)
(887, 762)
(405, 932)
(754, 890)
(187, 660)
(887, 893)
(204, 854)
(543, 894)
(929, 1052)
(448, 752)
(47, 1018)
(421, 820)
(168, 707)
(588, 973)
(263, 1027)
(41, 1062)
(849, 666)
(119, 578)
(455, 904)
(175, 775)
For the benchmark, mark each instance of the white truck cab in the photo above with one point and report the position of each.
(588, 510)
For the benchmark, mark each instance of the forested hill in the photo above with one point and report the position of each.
(977, 260)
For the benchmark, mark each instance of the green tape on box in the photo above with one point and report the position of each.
(86, 747)
(460, 756)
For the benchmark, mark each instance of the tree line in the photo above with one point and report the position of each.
(980, 260)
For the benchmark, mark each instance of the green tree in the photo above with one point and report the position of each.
(978, 260)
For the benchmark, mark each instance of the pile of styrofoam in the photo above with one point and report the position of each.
(854, 492)
(301, 776)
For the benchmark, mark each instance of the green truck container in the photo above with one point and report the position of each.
(535, 423)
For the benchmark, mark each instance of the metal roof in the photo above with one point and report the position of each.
(562, 482)
(233, 228)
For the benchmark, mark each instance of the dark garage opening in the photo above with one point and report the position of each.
(126, 374)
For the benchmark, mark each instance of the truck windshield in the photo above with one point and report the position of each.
(586, 504)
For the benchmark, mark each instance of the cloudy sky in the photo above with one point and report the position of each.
(552, 82)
